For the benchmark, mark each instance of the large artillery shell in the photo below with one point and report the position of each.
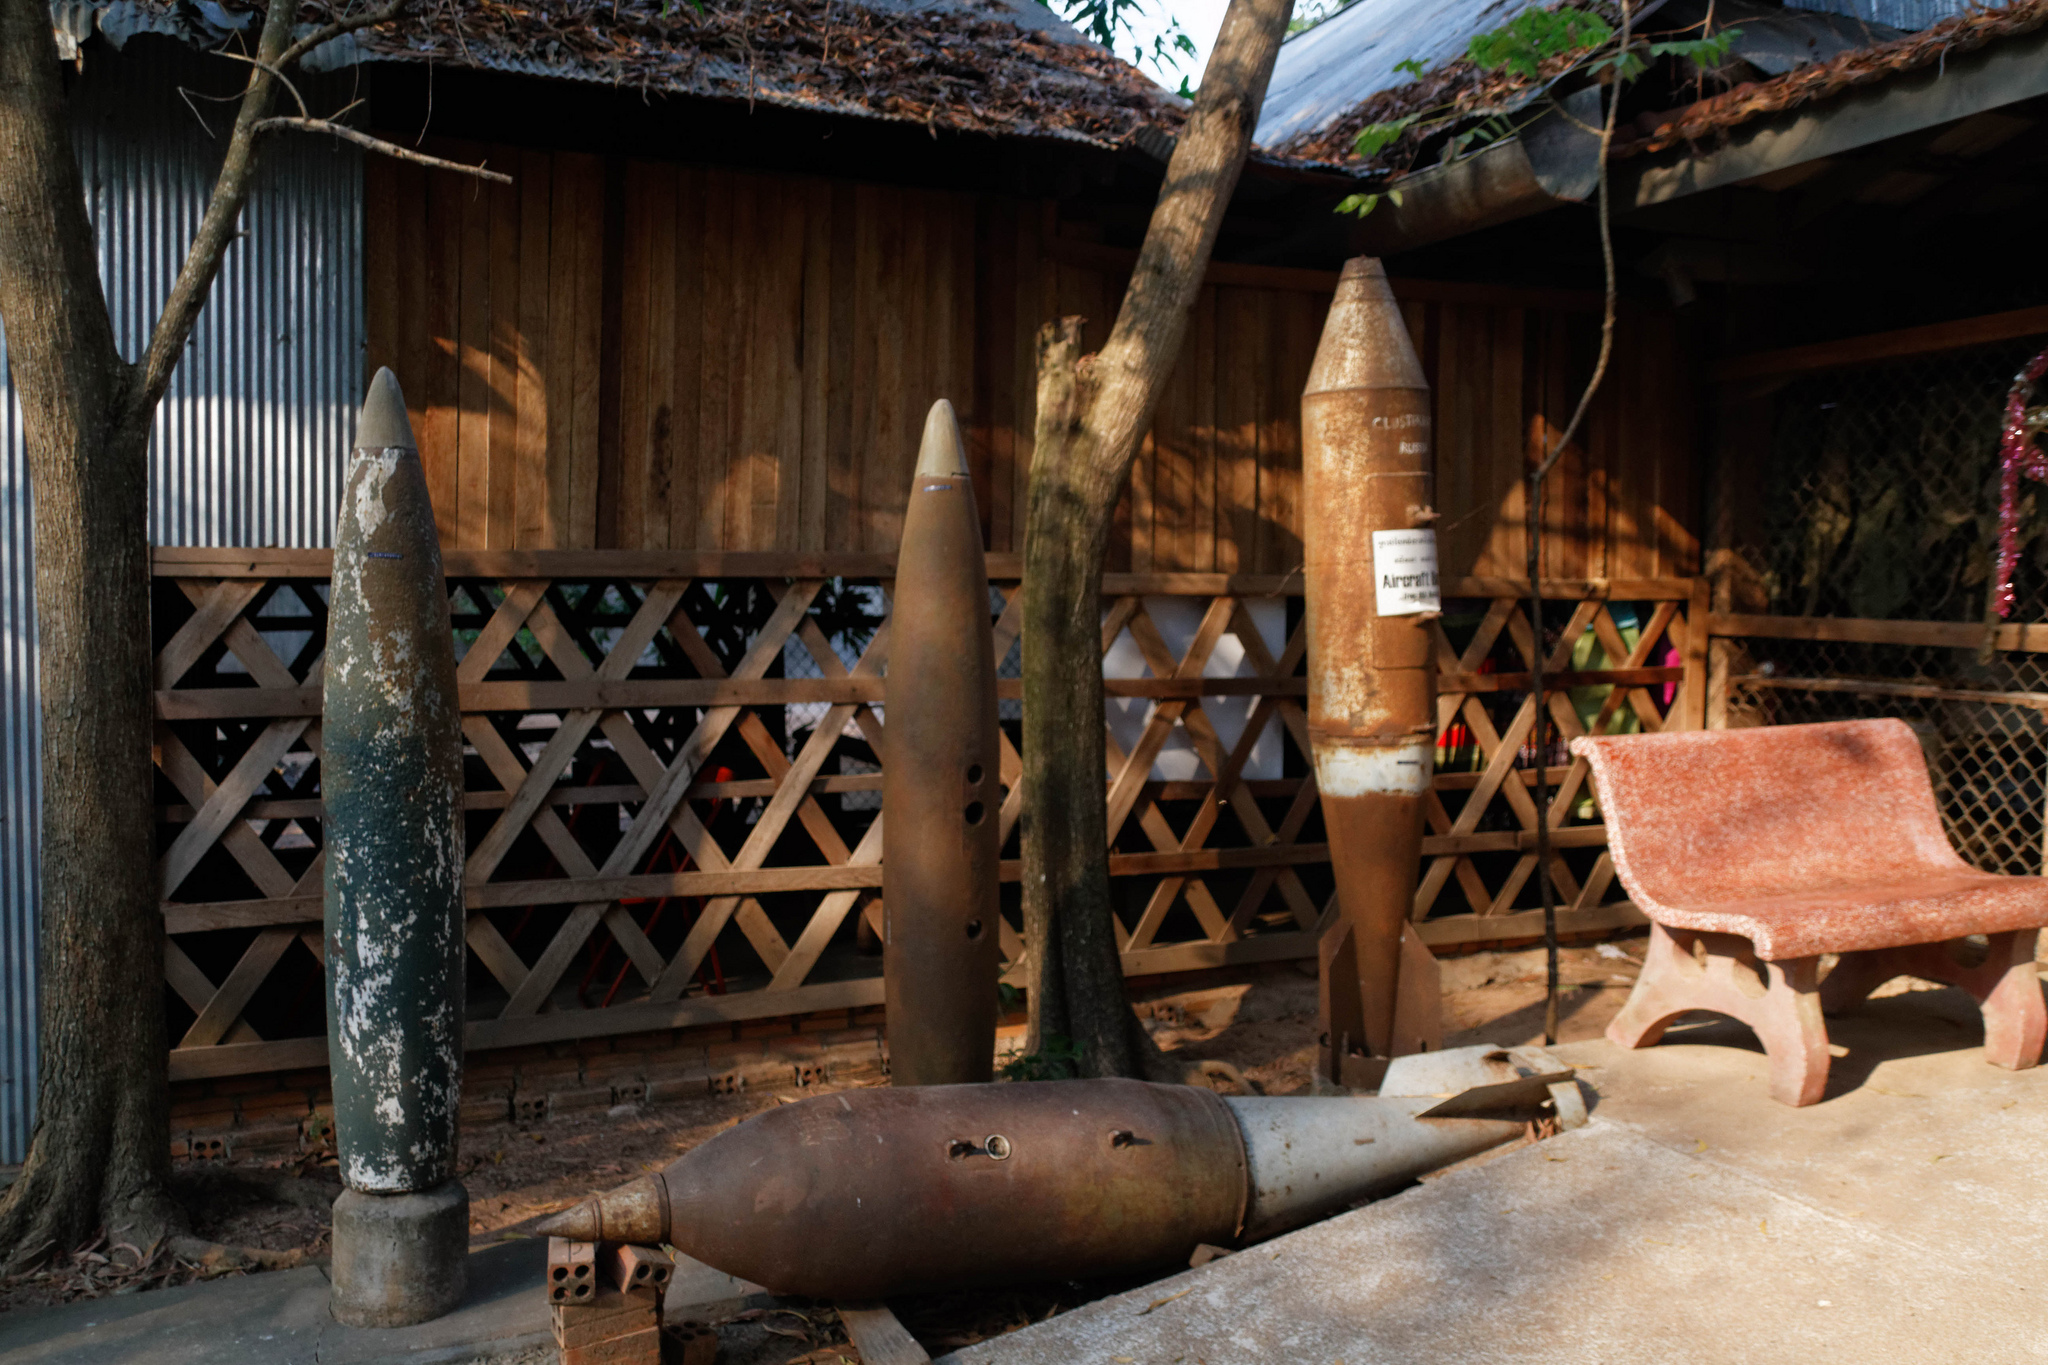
(872, 1193)
(1366, 469)
(391, 787)
(940, 789)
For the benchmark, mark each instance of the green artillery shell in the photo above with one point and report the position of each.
(940, 791)
(391, 784)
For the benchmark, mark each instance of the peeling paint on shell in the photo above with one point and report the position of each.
(391, 780)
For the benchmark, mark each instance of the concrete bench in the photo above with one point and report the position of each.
(1753, 852)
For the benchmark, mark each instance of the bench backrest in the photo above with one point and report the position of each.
(1703, 816)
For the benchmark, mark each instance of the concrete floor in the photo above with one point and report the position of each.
(1903, 1219)
(282, 1319)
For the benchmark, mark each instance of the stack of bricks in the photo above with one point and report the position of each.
(605, 1302)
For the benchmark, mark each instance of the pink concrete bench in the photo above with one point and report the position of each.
(1753, 852)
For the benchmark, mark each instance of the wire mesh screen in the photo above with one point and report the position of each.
(1881, 503)
(1985, 736)
(1881, 491)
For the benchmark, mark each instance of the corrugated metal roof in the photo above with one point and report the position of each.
(1327, 71)
(1900, 14)
(1824, 80)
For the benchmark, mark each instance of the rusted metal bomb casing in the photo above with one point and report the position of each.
(875, 1192)
(391, 788)
(941, 793)
(1370, 571)
(872, 1193)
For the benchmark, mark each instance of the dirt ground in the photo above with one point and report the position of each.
(518, 1174)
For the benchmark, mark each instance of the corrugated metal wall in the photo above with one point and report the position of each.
(250, 441)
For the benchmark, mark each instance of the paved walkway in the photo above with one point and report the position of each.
(1903, 1219)
(281, 1318)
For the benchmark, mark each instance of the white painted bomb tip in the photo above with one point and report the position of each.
(1365, 342)
(942, 454)
(383, 424)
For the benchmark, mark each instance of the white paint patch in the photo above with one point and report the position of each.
(1373, 769)
(377, 468)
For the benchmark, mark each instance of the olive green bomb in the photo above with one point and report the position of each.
(391, 787)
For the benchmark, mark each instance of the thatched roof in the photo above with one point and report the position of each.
(1006, 67)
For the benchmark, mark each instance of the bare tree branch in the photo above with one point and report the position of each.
(217, 228)
(274, 53)
(380, 146)
(265, 66)
(327, 33)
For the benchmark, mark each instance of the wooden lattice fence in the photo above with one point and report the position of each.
(674, 778)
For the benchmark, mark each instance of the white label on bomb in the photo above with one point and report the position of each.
(1404, 572)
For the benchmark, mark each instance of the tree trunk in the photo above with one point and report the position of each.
(1092, 413)
(101, 1148)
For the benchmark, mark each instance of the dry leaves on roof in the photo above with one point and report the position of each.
(1465, 92)
(963, 65)
(1950, 38)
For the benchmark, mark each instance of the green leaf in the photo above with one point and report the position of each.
(1358, 205)
(1374, 138)
(1411, 66)
(1534, 36)
(1700, 51)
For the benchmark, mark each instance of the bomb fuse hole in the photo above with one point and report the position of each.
(997, 1146)
(974, 929)
(974, 812)
(974, 774)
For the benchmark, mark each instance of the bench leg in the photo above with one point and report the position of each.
(2003, 980)
(2015, 1019)
(1720, 972)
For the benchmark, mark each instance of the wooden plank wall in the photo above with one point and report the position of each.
(635, 355)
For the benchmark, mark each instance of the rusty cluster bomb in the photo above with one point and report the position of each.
(870, 1193)
(940, 788)
(1366, 474)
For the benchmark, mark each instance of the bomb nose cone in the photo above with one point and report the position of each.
(636, 1212)
(383, 423)
(578, 1224)
(1365, 344)
(942, 454)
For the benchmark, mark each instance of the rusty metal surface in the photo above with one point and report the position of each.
(871, 1193)
(391, 778)
(1366, 467)
(941, 792)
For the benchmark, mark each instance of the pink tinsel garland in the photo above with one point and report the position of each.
(2017, 455)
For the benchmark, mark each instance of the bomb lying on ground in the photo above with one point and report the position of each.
(871, 1193)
